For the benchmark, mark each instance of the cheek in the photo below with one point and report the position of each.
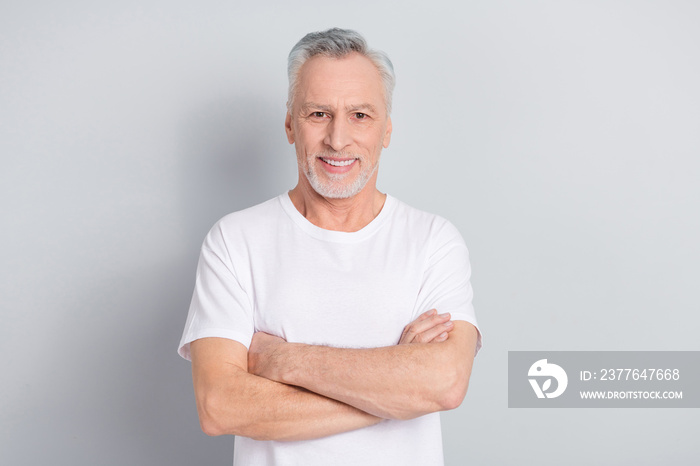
(309, 138)
(374, 140)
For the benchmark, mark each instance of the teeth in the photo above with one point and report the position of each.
(339, 163)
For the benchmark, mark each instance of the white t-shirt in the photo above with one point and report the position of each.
(267, 268)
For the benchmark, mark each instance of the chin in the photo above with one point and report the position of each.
(341, 186)
(337, 192)
(333, 189)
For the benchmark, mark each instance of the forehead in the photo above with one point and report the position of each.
(353, 80)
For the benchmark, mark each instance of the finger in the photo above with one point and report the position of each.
(437, 333)
(421, 326)
(417, 327)
(442, 337)
(425, 315)
(408, 333)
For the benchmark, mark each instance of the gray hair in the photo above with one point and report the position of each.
(338, 43)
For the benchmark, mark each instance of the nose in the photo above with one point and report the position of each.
(338, 134)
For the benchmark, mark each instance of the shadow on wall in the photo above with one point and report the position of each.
(121, 395)
(236, 155)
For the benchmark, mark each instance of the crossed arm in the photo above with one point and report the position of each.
(287, 391)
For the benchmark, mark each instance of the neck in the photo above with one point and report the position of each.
(351, 214)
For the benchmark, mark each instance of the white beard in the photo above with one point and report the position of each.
(333, 186)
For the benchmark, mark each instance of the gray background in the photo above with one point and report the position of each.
(561, 137)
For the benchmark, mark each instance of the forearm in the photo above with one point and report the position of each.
(265, 410)
(232, 401)
(401, 382)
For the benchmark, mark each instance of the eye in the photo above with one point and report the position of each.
(318, 114)
(360, 116)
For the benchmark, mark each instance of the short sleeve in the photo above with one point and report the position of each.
(446, 284)
(220, 306)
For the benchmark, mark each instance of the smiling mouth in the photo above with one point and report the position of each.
(338, 163)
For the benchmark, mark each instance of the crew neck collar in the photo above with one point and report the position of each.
(337, 236)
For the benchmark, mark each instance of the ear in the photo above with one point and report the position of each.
(288, 128)
(387, 134)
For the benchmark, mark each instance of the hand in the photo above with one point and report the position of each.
(429, 327)
(261, 354)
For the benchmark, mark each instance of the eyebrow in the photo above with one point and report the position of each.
(327, 108)
(309, 105)
(356, 108)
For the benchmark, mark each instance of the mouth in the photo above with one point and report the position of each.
(338, 162)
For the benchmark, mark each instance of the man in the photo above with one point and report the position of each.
(330, 325)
